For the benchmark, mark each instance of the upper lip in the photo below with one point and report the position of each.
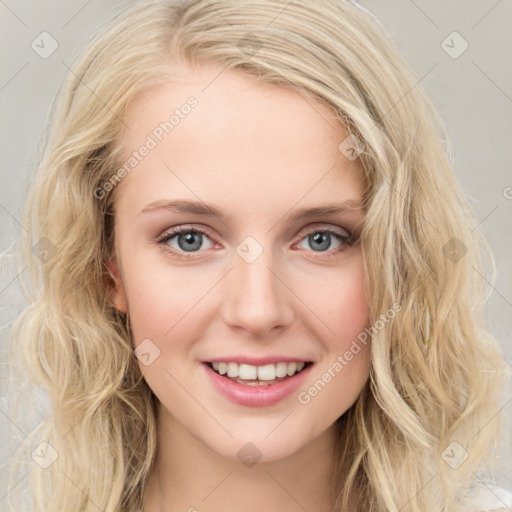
(257, 361)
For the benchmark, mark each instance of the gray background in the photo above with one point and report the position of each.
(472, 92)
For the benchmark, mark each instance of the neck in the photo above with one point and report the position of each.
(189, 476)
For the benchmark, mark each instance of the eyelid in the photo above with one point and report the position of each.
(185, 228)
(346, 237)
(322, 226)
(319, 226)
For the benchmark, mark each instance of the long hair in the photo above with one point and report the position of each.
(428, 417)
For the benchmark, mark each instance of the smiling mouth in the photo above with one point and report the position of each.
(265, 375)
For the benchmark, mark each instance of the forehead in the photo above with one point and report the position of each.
(241, 135)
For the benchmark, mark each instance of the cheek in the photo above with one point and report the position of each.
(166, 306)
(341, 304)
(161, 297)
(349, 313)
(344, 368)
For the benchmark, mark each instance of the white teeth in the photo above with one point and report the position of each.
(254, 382)
(267, 372)
(232, 369)
(291, 368)
(246, 371)
(281, 369)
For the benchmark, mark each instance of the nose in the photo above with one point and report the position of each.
(258, 299)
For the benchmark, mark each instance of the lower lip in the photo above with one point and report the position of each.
(257, 396)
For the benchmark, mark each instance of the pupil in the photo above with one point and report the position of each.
(191, 239)
(327, 238)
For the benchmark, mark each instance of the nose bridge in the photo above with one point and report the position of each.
(257, 299)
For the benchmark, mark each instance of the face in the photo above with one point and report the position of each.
(253, 283)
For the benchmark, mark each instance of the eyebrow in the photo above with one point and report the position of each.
(200, 208)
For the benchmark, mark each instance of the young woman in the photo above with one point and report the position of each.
(254, 283)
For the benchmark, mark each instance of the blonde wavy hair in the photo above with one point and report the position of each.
(436, 372)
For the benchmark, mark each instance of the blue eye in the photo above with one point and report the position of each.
(323, 239)
(190, 240)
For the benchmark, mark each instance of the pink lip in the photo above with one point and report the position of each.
(256, 361)
(257, 396)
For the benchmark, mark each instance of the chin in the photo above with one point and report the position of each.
(257, 446)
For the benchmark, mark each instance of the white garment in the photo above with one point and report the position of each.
(490, 498)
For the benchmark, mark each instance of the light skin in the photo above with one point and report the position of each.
(258, 152)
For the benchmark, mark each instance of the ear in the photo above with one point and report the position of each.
(117, 293)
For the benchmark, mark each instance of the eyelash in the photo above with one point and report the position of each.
(347, 241)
